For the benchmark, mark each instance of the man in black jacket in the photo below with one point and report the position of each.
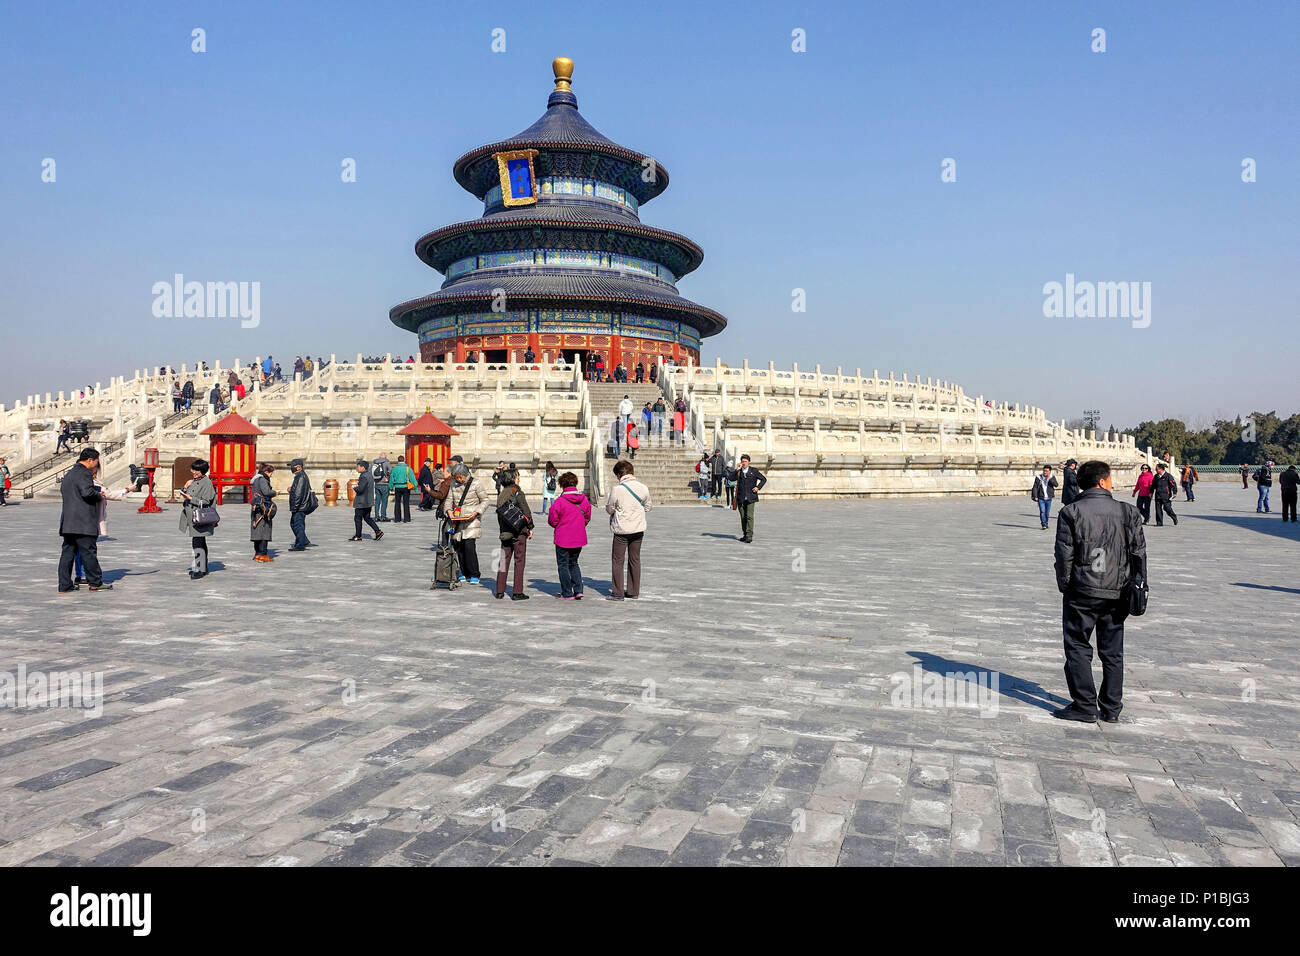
(749, 482)
(1163, 490)
(1042, 491)
(1263, 478)
(1070, 488)
(299, 499)
(1100, 550)
(1288, 482)
(79, 523)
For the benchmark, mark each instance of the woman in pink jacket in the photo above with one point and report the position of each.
(569, 516)
(1142, 491)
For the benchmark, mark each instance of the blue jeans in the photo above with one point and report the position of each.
(570, 574)
(298, 523)
(659, 425)
(1044, 509)
(547, 501)
(381, 502)
(1262, 504)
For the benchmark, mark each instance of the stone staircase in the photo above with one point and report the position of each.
(668, 470)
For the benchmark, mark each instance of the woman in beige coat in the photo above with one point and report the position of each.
(464, 505)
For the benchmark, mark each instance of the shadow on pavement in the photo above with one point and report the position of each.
(1268, 523)
(1013, 687)
(1265, 587)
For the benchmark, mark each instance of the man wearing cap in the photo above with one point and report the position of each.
(299, 498)
(363, 499)
(79, 523)
(427, 485)
(1070, 479)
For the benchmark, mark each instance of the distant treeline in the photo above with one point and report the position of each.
(1260, 437)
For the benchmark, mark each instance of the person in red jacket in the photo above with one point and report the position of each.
(1142, 492)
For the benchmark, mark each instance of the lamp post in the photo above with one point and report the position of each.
(150, 506)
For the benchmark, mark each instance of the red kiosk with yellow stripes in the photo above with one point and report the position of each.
(428, 437)
(233, 456)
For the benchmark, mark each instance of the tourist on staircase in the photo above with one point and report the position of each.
(515, 522)
(679, 420)
(660, 411)
(626, 506)
(262, 513)
(704, 475)
(717, 468)
(569, 517)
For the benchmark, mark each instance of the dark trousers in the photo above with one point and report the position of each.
(87, 546)
(1144, 507)
(298, 524)
(627, 547)
(1163, 507)
(426, 500)
(1080, 616)
(467, 552)
(715, 487)
(516, 548)
(566, 559)
(259, 547)
(1288, 505)
(199, 545)
(402, 504)
(731, 493)
(746, 512)
(363, 514)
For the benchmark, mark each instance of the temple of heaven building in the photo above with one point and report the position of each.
(559, 261)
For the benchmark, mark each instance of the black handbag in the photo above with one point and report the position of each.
(205, 517)
(512, 517)
(1137, 595)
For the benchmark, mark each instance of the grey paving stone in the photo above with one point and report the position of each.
(129, 853)
(65, 775)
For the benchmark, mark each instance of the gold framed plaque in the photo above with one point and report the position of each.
(518, 182)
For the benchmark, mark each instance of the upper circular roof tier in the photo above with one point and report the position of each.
(580, 228)
(567, 145)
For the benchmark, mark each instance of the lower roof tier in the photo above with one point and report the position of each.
(571, 289)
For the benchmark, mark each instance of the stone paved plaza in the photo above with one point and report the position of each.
(742, 712)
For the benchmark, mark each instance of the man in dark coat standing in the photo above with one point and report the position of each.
(1289, 481)
(79, 524)
(1163, 489)
(1100, 551)
(749, 482)
(1070, 482)
(299, 501)
(427, 486)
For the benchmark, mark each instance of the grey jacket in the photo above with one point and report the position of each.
(259, 526)
(80, 502)
(1099, 545)
(364, 494)
(202, 492)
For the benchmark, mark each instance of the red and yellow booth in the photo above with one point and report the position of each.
(428, 437)
(233, 456)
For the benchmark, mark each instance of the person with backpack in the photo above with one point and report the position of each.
(626, 506)
(1164, 489)
(1263, 478)
(550, 485)
(464, 506)
(569, 517)
(1100, 555)
(380, 469)
(703, 475)
(403, 481)
(199, 494)
(262, 513)
(1287, 481)
(1142, 492)
(302, 502)
(515, 522)
(1189, 477)
(1042, 491)
(363, 499)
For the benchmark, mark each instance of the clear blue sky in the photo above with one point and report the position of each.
(816, 170)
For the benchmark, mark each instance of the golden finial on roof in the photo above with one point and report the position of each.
(563, 69)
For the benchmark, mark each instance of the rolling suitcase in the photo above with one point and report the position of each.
(446, 565)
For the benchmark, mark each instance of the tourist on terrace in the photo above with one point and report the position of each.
(1189, 477)
(262, 512)
(1142, 492)
(640, 372)
(106, 495)
(464, 506)
(427, 485)
(363, 499)
(1288, 482)
(749, 482)
(442, 485)
(569, 517)
(626, 506)
(1165, 490)
(550, 485)
(600, 367)
(530, 356)
(268, 366)
(515, 522)
(199, 492)
(402, 481)
(1042, 491)
(301, 504)
(381, 469)
(1095, 593)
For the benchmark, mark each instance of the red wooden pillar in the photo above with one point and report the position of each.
(460, 350)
